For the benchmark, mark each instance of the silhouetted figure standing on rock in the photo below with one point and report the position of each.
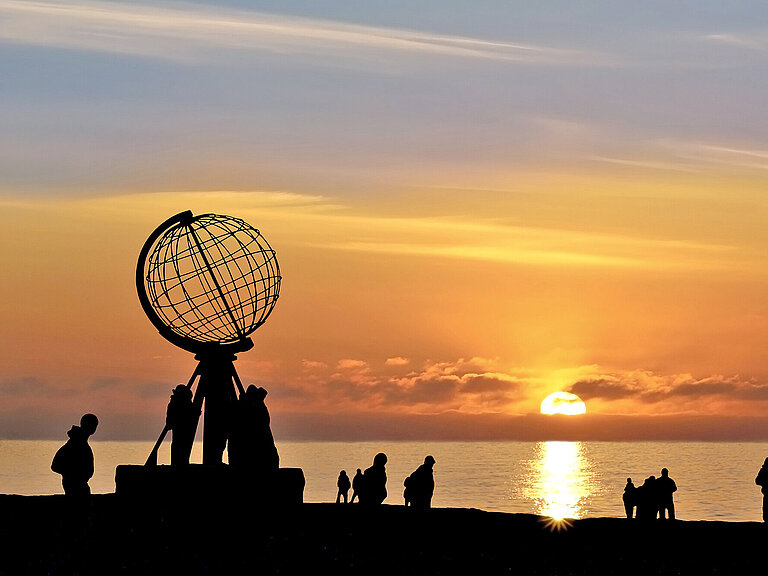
(181, 418)
(646, 500)
(357, 483)
(343, 484)
(629, 498)
(762, 481)
(420, 485)
(74, 460)
(374, 485)
(665, 487)
(251, 443)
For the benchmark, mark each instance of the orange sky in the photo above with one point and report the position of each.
(471, 209)
(463, 309)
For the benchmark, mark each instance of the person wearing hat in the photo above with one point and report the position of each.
(420, 485)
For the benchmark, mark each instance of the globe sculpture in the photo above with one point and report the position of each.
(206, 283)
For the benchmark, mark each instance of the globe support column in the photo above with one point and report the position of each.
(216, 387)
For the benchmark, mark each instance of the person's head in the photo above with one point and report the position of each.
(380, 459)
(359, 471)
(343, 473)
(89, 423)
(429, 461)
(182, 392)
(664, 472)
(629, 480)
(255, 393)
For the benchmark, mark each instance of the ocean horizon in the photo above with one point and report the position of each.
(551, 478)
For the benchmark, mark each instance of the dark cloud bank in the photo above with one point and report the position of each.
(294, 426)
(455, 426)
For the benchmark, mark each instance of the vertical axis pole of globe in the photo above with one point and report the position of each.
(215, 281)
(214, 432)
(152, 459)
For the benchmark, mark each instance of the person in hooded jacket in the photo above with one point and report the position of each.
(74, 460)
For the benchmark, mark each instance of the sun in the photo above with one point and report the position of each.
(563, 403)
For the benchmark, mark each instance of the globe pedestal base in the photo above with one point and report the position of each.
(211, 482)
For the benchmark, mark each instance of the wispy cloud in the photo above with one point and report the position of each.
(646, 164)
(720, 155)
(692, 157)
(492, 242)
(742, 40)
(180, 31)
(328, 224)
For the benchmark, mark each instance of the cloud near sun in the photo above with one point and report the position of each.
(480, 385)
(467, 385)
(672, 392)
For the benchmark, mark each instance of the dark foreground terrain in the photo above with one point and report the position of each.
(114, 535)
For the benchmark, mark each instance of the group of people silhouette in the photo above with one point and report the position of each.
(249, 438)
(370, 487)
(251, 444)
(652, 499)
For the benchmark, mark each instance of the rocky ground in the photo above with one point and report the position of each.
(113, 534)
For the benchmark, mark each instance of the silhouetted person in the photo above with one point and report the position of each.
(762, 481)
(629, 498)
(420, 485)
(251, 443)
(181, 418)
(646, 499)
(357, 483)
(343, 484)
(374, 485)
(665, 487)
(74, 460)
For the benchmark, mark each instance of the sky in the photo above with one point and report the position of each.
(474, 205)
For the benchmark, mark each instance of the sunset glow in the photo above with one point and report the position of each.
(471, 209)
(563, 403)
(562, 484)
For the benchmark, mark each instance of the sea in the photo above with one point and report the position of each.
(557, 479)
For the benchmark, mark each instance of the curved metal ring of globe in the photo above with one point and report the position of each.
(207, 280)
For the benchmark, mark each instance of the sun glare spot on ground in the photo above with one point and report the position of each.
(563, 403)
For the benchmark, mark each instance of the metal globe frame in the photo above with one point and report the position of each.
(219, 383)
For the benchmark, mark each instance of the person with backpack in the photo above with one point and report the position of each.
(420, 485)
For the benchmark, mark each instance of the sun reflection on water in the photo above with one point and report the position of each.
(559, 487)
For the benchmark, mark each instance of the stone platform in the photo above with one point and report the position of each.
(284, 486)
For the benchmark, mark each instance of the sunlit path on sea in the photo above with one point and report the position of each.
(557, 479)
(559, 483)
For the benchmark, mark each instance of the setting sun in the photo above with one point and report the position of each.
(563, 403)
